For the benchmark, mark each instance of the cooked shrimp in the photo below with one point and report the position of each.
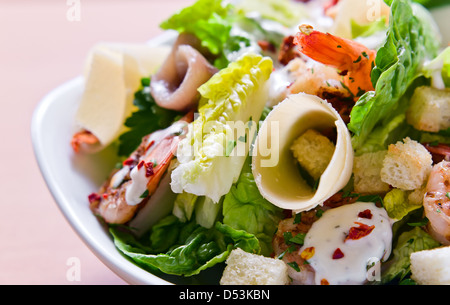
(129, 188)
(84, 140)
(299, 271)
(353, 60)
(436, 202)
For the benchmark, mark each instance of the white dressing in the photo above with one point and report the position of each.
(119, 177)
(138, 175)
(329, 234)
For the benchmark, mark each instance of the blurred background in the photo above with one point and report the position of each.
(44, 44)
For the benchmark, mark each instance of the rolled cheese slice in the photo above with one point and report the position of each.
(112, 76)
(276, 174)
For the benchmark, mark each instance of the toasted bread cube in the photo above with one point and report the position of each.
(431, 267)
(313, 151)
(245, 268)
(366, 173)
(407, 165)
(429, 109)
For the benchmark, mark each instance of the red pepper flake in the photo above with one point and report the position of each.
(324, 282)
(94, 197)
(359, 232)
(149, 171)
(338, 254)
(128, 162)
(105, 195)
(307, 253)
(141, 163)
(365, 214)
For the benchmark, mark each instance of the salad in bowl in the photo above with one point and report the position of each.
(277, 142)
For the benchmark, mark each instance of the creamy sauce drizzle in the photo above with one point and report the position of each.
(139, 180)
(329, 233)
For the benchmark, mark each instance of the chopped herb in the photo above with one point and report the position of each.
(250, 122)
(298, 239)
(348, 89)
(282, 254)
(295, 266)
(328, 84)
(243, 139)
(319, 213)
(448, 195)
(312, 70)
(298, 218)
(360, 92)
(230, 146)
(365, 55)
(338, 46)
(290, 249)
(357, 60)
(287, 237)
(144, 194)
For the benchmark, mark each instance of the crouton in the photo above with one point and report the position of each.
(406, 165)
(245, 268)
(429, 109)
(313, 151)
(366, 173)
(431, 267)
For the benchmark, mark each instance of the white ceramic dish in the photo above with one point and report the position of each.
(70, 178)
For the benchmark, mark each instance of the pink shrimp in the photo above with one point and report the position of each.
(84, 140)
(142, 171)
(353, 60)
(436, 202)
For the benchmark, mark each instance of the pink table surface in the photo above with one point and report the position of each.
(40, 48)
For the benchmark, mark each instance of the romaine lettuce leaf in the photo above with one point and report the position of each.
(439, 70)
(212, 155)
(397, 204)
(183, 248)
(207, 19)
(408, 242)
(244, 208)
(411, 39)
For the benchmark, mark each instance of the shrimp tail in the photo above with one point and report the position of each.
(353, 60)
